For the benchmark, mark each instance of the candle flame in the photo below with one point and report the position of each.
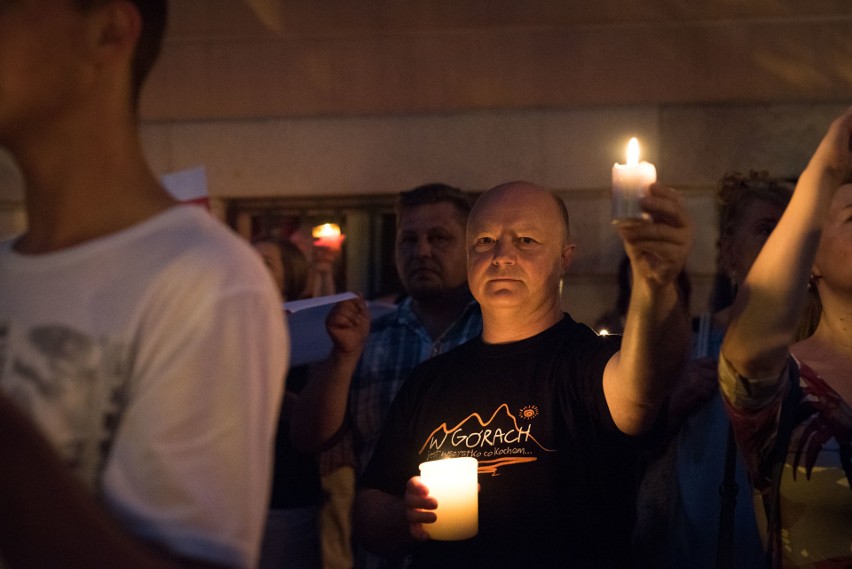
(633, 152)
(326, 230)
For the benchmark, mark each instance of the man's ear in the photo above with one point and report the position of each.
(567, 257)
(117, 26)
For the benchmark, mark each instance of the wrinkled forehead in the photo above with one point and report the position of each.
(519, 220)
(520, 208)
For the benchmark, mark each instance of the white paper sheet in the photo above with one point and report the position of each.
(309, 341)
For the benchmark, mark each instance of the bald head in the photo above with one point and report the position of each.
(518, 251)
(520, 192)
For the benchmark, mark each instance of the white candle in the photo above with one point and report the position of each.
(630, 184)
(452, 482)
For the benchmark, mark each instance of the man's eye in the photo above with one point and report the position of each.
(484, 241)
(526, 240)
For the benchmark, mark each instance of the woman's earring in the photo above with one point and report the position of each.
(813, 280)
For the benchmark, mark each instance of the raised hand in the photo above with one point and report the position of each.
(348, 325)
(833, 156)
(658, 250)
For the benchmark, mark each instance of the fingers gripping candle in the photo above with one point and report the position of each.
(452, 482)
(328, 235)
(630, 183)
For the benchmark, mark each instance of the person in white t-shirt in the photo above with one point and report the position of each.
(140, 340)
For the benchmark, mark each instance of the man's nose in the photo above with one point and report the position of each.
(504, 252)
(423, 248)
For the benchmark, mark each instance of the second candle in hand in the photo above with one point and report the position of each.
(452, 482)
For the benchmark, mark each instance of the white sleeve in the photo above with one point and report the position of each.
(190, 465)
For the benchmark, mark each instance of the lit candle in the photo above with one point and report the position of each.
(452, 482)
(328, 235)
(630, 184)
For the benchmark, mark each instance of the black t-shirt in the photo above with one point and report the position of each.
(557, 477)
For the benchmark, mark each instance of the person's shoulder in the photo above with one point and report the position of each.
(202, 233)
(579, 339)
(570, 329)
(187, 241)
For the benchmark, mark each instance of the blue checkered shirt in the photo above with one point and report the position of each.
(398, 341)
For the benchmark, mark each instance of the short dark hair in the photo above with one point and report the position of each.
(154, 15)
(434, 193)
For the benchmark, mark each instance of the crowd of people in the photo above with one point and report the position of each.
(149, 417)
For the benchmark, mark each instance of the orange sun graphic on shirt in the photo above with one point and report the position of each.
(528, 412)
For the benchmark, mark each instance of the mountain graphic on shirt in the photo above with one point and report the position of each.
(495, 442)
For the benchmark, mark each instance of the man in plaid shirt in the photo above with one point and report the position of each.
(347, 402)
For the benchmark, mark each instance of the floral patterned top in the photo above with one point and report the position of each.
(815, 491)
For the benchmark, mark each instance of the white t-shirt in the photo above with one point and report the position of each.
(153, 359)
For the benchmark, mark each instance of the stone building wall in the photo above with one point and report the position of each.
(570, 151)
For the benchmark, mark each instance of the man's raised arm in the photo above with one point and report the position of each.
(657, 334)
(320, 411)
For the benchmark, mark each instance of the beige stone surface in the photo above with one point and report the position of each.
(371, 97)
(702, 143)
(580, 146)
(229, 19)
(333, 156)
(568, 150)
(376, 57)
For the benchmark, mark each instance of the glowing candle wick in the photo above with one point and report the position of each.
(633, 152)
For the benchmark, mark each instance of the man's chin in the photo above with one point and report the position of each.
(501, 297)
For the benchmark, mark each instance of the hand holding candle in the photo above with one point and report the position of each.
(453, 484)
(630, 184)
(328, 235)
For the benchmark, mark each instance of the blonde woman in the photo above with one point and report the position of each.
(790, 401)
